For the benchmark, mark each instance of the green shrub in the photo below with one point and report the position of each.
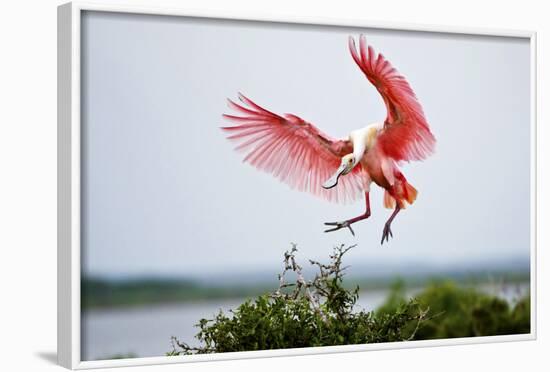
(464, 312)
(318, 312)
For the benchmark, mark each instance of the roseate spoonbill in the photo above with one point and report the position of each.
(301, 155)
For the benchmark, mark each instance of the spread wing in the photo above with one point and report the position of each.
(293, 150)
(406, 134)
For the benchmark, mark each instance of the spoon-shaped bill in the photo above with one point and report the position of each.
(333, 180)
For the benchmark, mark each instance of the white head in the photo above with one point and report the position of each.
(349, 161)
(346, 165)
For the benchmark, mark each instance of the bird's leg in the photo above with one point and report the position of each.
(387, 227)
(347, 223)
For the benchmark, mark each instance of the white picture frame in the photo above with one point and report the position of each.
(69, 183)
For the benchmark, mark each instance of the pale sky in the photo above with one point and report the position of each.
(165, 194)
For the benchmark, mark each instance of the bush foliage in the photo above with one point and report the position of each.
(304, 313)
(322, 312)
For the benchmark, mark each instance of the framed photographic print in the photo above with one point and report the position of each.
(236, 186)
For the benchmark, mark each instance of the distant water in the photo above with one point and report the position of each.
(145, 331)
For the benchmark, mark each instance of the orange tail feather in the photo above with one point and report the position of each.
(411, 193)
(404, 192)
(389, 201)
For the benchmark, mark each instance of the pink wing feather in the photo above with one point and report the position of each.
(406, 134)
(293, 150)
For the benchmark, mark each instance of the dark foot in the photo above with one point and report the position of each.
(339, 225)
(386, 233)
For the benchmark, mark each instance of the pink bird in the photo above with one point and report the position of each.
(298, 153)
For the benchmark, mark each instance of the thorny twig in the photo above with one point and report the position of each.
(290, 264)
(421, 318)
(312, 289)
(186, 348)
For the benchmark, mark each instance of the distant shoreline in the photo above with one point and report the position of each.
(100, 293)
